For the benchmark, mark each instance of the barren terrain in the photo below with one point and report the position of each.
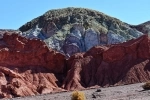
(126, 92)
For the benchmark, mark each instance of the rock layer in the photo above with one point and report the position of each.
(74, 30)
(120, 64)
(28, 67)
(72, 48)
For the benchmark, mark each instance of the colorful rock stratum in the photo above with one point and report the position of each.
(74, 30)
(29, 67)
(69, 49)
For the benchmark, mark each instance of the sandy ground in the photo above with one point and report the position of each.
(126, 92)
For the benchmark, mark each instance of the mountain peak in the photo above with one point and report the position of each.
(71, 30)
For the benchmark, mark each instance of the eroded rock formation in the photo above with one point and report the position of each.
(29, 67)
(70, 49)
(74, 30)
(120, 64)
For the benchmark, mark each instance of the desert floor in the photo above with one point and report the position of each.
(126, 92)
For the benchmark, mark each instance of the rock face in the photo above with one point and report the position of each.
(70, 49)
(120, 64)
(29, 67)
(73, 30)
(91, 39)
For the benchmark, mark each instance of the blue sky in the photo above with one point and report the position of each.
(14, 13)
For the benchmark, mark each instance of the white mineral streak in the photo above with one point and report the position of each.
(78, 39)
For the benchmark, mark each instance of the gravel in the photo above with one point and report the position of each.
(126, 92)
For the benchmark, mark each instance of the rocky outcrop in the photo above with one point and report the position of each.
(91, 39)
(70, 49)
(120, 64)
(74, 30)
(28, 67)
(114, 38)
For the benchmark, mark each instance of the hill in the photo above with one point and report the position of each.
(29, 67)
(72, 30)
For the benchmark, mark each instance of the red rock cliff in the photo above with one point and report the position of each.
(29, 67)
(124, 63)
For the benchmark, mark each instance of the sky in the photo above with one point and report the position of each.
(15, 13)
